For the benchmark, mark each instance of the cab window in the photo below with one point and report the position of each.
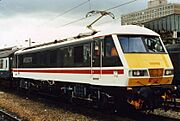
(109, 53)
(141, 44)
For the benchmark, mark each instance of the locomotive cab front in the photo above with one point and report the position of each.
(149, 69)
(147, 59)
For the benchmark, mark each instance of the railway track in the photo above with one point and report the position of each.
(156, 115)
(4, 116)
(91, 113)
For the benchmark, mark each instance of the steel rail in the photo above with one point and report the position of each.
(7, 117)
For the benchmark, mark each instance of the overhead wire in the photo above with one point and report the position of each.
(110, 21)
(117, 7)
(75, 21)
(129, 2)
(90, 7)
(67, 11)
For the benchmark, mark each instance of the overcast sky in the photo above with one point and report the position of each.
(42, 20)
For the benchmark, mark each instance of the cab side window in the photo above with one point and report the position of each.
(96, 52)
(109, 53)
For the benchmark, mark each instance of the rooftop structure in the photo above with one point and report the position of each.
(149, 14)
(154, 3)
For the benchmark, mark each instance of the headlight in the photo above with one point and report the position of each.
(169, 72)
(138, 73)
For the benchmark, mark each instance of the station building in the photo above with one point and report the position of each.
(161, 17)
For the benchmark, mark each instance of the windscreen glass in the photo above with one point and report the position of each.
(141, 44)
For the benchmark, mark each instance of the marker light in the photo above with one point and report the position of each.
(169, 72)
(138, 73)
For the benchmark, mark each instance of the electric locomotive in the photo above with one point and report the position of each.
(118, 64)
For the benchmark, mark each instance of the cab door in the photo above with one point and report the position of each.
(96, 59)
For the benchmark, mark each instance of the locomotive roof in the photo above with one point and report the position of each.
(120, 30)
(127, 30)
(5, 52)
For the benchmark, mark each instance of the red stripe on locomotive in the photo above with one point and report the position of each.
(73, 71)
